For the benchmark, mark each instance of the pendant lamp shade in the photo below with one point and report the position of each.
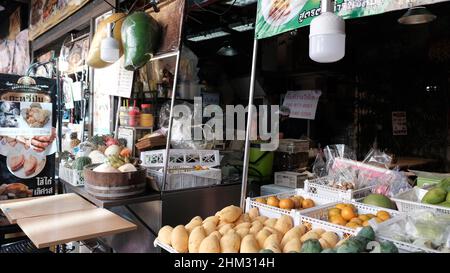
(417, 15)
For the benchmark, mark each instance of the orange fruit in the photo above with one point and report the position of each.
(307, 203)
(383, 215)
(286, 204)
(347, 213)
(356, 220)
(297, 203)
(365, 223)
(338, 220)
(370, 215)
(353, 207)
(364, 217)
(261, 200)
(352, 225)
(379, 220)
(334, 211)
(341, 206)
(273, 201)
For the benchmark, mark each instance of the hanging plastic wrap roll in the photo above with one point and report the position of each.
(140, 37)
(93, 58)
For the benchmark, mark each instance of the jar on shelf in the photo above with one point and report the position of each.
(133, 116)
(123, 116)
(146, 115)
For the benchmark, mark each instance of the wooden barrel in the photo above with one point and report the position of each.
(110, 186)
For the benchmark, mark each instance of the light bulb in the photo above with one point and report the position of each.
(109, 47)
(327, 36)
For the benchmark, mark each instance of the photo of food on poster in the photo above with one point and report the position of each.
(27, 136)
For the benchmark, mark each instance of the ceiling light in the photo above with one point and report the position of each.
(240, 3)
(417, 15)
(327, 36)
(2, 8)
(242, 27)
(227, 51)
(109, 47)
(207, 36)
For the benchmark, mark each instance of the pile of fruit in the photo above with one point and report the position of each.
(232, 231)
(439, 195)
(347, 215)
(362, 243)
(292, 202)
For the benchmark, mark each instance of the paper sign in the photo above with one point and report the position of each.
(302, 104)
(399, 125)
(115, 80)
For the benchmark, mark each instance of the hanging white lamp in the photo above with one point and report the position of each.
(109, 47)
(327, 35)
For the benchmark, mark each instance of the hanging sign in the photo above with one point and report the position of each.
(114, 80)
(399, 124)
(27, 159)
(278, 16)
(302, 104)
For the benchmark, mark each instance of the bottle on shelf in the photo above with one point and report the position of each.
(146, 115)
(134, 115)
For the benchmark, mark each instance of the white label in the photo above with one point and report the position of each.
(302, 104)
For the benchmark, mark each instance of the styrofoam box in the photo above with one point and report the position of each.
(290, 179)
(410, 200)
(273, 189)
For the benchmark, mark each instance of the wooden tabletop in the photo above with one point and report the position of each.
(411, 162)
(50, 230)
(33, 207)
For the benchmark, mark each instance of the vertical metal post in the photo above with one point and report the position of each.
(59, 103)
(169, 131)
(249, 126)
(116, 131)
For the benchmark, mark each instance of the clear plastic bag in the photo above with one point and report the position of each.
(341, 177)
(319, 167)
(378, 158)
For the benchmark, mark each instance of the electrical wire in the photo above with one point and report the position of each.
(213, 12)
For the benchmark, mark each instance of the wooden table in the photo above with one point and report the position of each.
(50, 230)
(63, 218)
(54, 204)
(411, 162)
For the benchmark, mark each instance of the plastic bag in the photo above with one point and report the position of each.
(341, 177)
(378, 158)
(319, 167)
(428, 226)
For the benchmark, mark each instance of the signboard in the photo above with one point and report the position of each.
(302, 104)
(278, 16)
(399, 124)
(46, 14)
(27, 161)
(114, 80)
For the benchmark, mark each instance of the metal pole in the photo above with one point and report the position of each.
(249, 126)
(116, 131)
(169, 131)
(59, 103)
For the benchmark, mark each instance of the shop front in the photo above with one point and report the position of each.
(225, 127)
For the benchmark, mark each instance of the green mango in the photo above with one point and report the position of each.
(140, 39)
(445, 184)
(435, 196)
(448, 197)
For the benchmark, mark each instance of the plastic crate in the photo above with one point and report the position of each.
(71, 176)
(319, 215)
(410, 201)
(319, 186)
(293, 146)
(181, 158)
(274, 212)
(164, 246)
(184, 178)
(290, 179)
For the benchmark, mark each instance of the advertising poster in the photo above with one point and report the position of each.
(27, 158)
(278, 16)
(302, 104)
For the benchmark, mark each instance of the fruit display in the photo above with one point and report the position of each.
(288, 203)
(232, 231)
(439, 195)
(347, 215)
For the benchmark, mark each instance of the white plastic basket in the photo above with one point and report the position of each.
(319, 186)
(181, 158)
(319, 215)
(410, 201)
(164, 246)
(74, 177)
(274, 212)
(182, 179)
